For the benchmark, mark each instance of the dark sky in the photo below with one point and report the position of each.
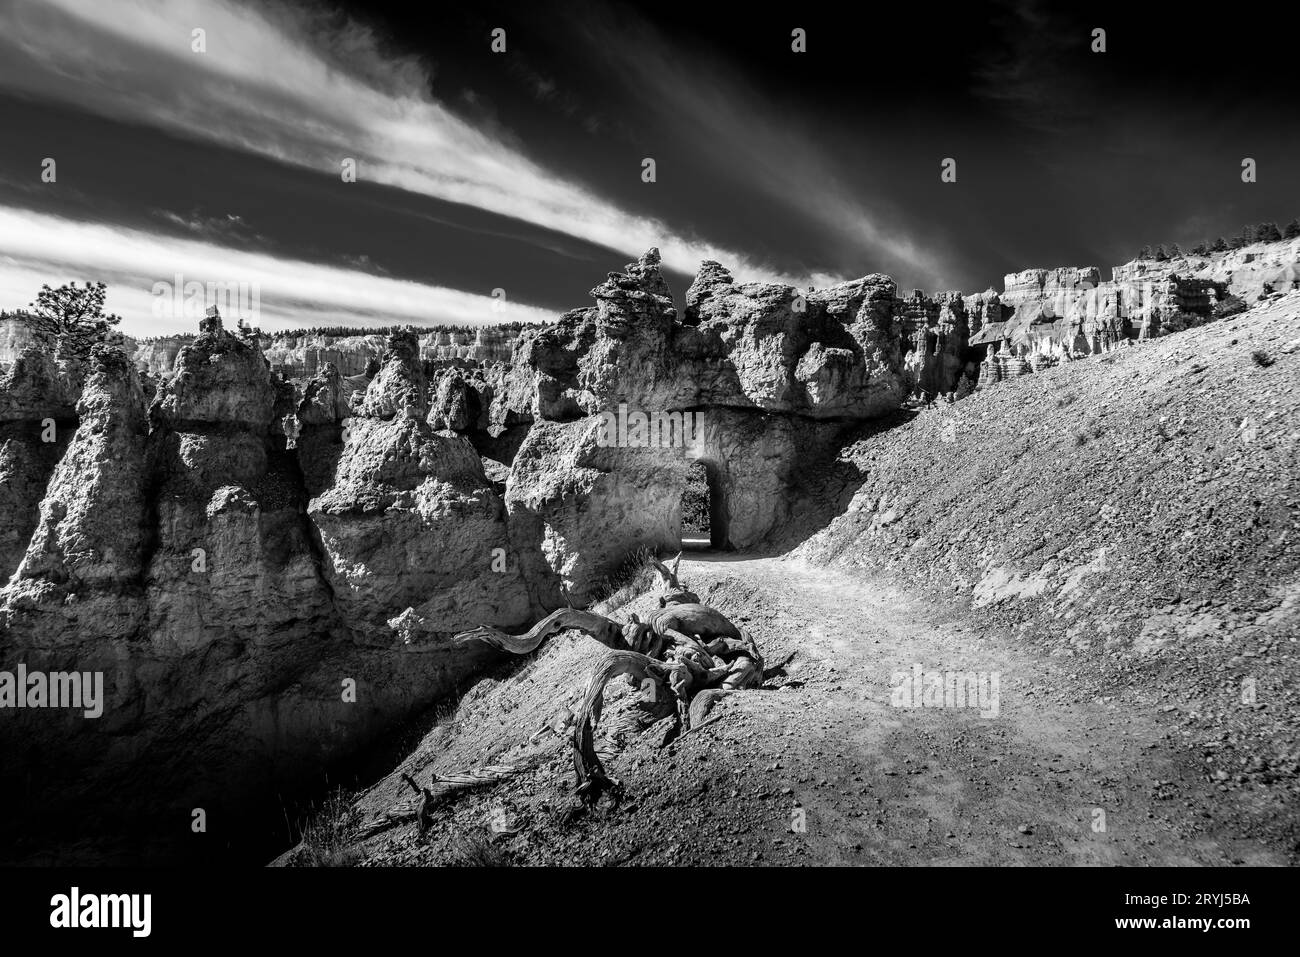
(522, 171)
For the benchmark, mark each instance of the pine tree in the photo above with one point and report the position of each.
(965, 386)
(1292, 229)
(1200, 249)
(1220, 245)
(1144, 252)
(1175, 252)
(1161, 255)
(69, 320)
(1267, 233)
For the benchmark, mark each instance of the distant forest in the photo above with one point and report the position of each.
(339, 332)
(1257, 233)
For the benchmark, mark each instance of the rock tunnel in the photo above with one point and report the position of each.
(705, 517)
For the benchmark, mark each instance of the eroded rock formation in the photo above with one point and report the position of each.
(1047, 316)
(756, 384)
(37, 417)
(228, 559)
(409, 520)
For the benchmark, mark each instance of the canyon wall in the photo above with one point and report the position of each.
(1048, 316)
(303, 356)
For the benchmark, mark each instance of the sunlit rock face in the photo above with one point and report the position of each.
(831, 353)
(755, 381)
(408, 518)
(1047, 316)
(14, 338)
(157, 357)
(38, 416)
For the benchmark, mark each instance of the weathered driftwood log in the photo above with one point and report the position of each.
(445, 785)
(673, 590)
(675, 623)
(698, 675)
(592, 781)
(604, 630)
(693, 650)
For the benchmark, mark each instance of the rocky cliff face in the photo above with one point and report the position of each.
(823, 354)
(302, 357)
(1048, 316)
(80, 577)
(409, 519)
(157, 357)
(754, 384)
(229, 559)
(14, 338)
(37, 417)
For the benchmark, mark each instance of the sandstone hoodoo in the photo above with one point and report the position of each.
(771, 376)
(229, 558)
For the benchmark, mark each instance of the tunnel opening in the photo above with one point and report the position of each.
(704, 513)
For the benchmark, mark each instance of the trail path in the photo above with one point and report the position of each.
(886, 784)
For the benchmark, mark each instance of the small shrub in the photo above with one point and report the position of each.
(633, 578)
(695, 502)
(1262, 358)
(327, 834)
(472, 850)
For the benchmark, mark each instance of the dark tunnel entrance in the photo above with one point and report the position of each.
(704, 512)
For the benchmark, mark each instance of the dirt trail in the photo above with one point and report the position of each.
(1034, 784)
(820, 767)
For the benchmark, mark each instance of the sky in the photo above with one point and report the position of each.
(494, 186)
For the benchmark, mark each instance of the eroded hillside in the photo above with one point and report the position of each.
(1136, 514)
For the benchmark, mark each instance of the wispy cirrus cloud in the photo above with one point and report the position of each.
(37, 248)
(280, 82)
(778, 155)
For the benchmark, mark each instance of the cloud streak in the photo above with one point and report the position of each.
(276, 82)
(775, 152)
(36, 248)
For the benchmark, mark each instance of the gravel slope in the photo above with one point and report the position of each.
(1137, 515)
